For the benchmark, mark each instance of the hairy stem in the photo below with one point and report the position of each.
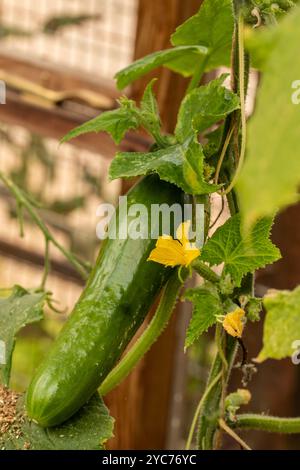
(46, 265)
(241, 52)
(267, 423)
(210, 409)
(222, 156)
(204, 271)
(208, 390)
(148, 337)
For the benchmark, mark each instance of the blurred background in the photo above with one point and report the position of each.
(58, 60)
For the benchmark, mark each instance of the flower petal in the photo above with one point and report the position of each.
(182, 233)
(168, 252)
(233, 322)
(191, 252)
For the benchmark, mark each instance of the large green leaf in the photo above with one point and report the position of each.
(178, 164)
(282, 325)
(212, 27)
(271, 175)
(180, 59)
(205, 106)
(88, 429)
(241, 255)
(16, 311)
(207, 305)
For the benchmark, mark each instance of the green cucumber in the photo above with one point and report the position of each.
(119, 293)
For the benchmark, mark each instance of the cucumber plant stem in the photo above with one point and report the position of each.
(204, 271)
(210, 409)
(241, 53)
(209, 388)
(23, 201)
(267, 423)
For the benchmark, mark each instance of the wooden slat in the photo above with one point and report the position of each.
(55, 123)
(54, 77)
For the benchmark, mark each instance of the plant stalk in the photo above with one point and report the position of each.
(267, 423)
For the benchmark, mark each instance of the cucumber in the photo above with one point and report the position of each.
(119, 293)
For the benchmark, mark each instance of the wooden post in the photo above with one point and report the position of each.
(157, 21)
(142, 404)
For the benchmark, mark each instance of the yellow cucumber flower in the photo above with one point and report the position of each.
(233, 322)
(179, 252)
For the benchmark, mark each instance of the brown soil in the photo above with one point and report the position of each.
(10, 419)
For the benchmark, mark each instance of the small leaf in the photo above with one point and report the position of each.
(282, 325)
(254, 308)
(270, 178)
(116, 122)
(16, 311)
(181, 165)
(178, 58)
(149, 104)
(88, 429)
(212, 27)
(149, 113)
(205, 106)
(241, 255)
(207, 305)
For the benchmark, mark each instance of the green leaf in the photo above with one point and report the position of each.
(88, 429)
(179, 164)
(207, 305)
(271, 175)
(16, 311)
(205, 106)
(116, 122)
(149, 106)
(254, 308)
(241, 255)
(212, 27)
(178, 58)
(282, 325)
